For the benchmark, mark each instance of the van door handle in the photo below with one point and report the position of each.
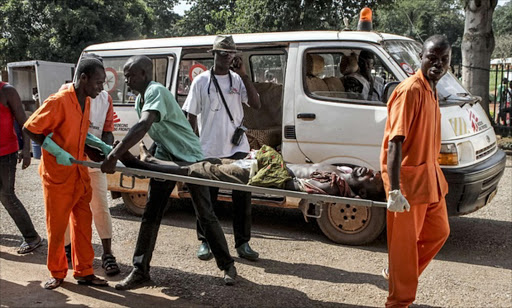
(311, 116)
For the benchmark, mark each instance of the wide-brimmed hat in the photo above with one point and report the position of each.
(224, 43)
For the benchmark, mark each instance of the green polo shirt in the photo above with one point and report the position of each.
(172, 133)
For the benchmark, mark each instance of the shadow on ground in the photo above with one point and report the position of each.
(477, 238)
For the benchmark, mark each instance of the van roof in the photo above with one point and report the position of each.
(250, 38)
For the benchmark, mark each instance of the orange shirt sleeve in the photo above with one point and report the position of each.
(402, 109)
(109, 120)
(45, 119)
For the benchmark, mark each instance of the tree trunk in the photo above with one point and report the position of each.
(477, 47)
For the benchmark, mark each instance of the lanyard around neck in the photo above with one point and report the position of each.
(212, 77)
(216, 83)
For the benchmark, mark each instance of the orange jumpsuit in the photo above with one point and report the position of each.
(414, 237)
(66, 189)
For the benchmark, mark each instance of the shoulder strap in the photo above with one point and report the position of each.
(216, 83)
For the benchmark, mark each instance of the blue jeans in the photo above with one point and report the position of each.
(9, 200)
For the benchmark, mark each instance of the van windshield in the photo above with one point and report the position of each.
(406, 55)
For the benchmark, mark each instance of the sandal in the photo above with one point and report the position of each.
(108, 262)
(26, 247)
(92, 280)
(53, 283)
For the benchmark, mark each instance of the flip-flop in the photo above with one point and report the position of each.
(26, 247)
(53, 283)
(92, 280)
(108, 262)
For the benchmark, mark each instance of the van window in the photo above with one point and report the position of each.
(268, 68)
(406, 54)
(189, 69)
(343, 74)
(114, 81)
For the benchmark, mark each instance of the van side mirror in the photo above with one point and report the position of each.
(388, 90)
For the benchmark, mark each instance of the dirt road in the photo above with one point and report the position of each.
(299, 267)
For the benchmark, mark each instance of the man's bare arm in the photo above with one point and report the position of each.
(394, 161)
(192, 119)
(252, 94)
(107, 137)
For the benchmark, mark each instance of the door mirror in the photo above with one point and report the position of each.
(388, 90)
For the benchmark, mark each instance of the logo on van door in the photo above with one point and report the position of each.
(476, 124)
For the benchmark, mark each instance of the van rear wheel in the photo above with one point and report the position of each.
(135, 202)
(351, 225)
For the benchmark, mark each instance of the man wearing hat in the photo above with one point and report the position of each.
(214, 108)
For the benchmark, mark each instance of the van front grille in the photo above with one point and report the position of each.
(485, 151)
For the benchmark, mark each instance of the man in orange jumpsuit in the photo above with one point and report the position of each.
(411, 174)
(60, 125)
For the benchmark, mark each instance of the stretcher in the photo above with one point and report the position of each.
(140, 173)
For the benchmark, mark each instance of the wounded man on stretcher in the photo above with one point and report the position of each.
(265, 168)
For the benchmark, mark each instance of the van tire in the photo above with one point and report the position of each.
(351, 225)
(135, 203)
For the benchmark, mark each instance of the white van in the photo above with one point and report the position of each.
(311, 115)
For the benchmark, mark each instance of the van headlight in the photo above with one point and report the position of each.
(448, 155)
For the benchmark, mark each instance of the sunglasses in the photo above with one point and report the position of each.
(223, 53)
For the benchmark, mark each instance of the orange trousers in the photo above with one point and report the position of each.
(63, 204)
(414, 238)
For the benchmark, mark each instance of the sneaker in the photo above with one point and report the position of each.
(385, 273)
(230, 275)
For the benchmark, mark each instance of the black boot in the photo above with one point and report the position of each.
(133, 280)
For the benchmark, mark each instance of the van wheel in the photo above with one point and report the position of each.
(351, 225)
(135, 202)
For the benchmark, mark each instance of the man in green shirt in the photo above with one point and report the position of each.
(501, 90)
(161, 117)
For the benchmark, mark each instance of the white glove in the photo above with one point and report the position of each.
(397, 202)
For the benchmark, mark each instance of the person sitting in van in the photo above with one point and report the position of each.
(357, 75)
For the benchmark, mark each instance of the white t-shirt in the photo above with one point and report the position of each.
(98, 112)
(215, 126)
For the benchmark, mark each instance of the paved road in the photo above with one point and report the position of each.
(299, 267)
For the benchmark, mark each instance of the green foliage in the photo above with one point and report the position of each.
(502, 20)
(249, 16)
(206, 17)
(164, 18)
(59, 30)
(420, 19)
(502, 25)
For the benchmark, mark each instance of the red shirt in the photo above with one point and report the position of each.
(8, 137)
